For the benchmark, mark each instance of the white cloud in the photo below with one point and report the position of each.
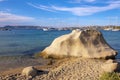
(42, 7)
(75, 1)
(82, 11)
(79, 1)
(89, 0)
(13, 18)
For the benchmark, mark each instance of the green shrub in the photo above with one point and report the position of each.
(110, 76)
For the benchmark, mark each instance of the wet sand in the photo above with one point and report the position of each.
(12, 62)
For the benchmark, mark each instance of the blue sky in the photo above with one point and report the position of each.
(59, 12)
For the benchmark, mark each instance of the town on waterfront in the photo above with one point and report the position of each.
(48, 28)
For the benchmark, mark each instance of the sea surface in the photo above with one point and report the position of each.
(28, 42)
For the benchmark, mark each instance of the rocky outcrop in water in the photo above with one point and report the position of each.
(84, 43)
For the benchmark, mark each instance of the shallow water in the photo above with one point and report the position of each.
(113, 39)
(27, 42)
(22, 42)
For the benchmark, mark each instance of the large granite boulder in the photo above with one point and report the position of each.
(79, 43)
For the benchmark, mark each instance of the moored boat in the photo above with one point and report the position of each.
(45, 29)
(107, 29)
(115, 29)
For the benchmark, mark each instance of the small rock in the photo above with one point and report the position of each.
(109, 61)
(109, 66)
(29, 71)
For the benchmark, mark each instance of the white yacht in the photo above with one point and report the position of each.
(45, 29)
(107, 29)
(115, 29)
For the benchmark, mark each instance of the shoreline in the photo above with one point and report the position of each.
(11, 62)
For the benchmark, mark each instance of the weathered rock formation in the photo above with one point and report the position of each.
(85, 43)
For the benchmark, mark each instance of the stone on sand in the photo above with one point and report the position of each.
(84, 43)
(29, 71)
(109, 66)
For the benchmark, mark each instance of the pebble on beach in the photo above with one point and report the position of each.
(29, 71)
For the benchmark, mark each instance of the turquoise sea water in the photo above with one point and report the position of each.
(26, 42)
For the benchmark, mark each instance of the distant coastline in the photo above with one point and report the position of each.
(9, 27)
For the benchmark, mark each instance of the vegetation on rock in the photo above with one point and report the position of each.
(110, 76)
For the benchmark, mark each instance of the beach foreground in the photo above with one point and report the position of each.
(63, 69)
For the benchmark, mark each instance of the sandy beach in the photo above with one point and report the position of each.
(63, 69)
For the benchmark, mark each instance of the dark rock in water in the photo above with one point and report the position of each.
(84, 43)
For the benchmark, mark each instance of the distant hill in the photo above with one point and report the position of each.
(9, 27)
(22, 27)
